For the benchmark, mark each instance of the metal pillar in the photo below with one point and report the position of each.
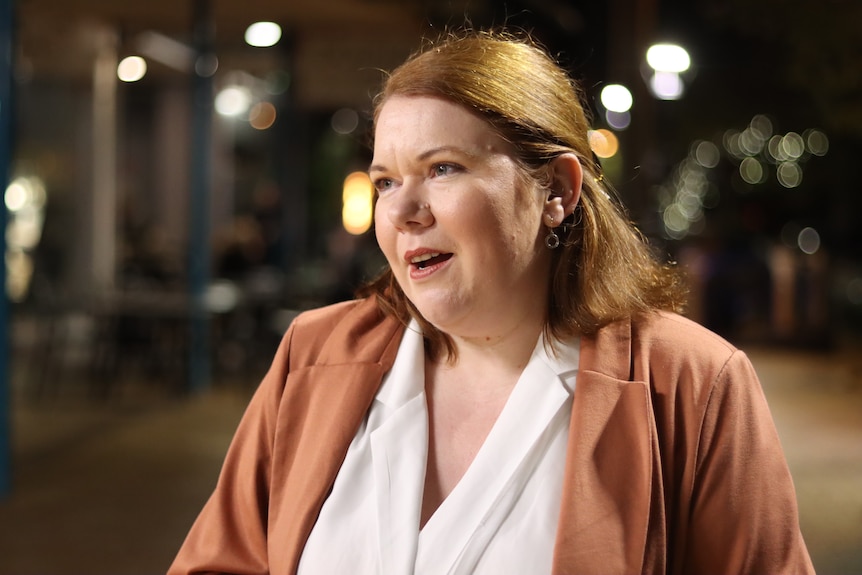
(6, 51)
(201, 188)
(103, 251)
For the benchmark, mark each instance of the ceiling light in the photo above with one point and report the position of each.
(263, 34)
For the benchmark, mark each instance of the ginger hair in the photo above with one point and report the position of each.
(604, 270)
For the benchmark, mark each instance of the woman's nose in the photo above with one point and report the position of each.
(409, 209)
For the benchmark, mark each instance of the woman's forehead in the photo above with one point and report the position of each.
(427, 122)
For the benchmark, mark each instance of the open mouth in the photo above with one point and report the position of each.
(428, 260)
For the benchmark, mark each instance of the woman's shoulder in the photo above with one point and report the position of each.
(350, 331)
(670, 350)
(674, 333)
(667, 347)
(326, 317)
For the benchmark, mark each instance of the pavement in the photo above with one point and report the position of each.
(110, 485)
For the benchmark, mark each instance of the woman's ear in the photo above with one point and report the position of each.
(566, 179)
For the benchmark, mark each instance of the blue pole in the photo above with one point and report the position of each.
(201, 185)
(6, 51)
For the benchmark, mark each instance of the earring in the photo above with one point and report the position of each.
(552, 240)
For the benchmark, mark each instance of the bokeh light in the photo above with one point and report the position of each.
(808, 241)
(789, 174)
(262, 115)
(604, 143)
(233, 101)
(616, 98)
(358, 203)
(618, 120)
(751, 171)
(793, 145)
(668, 58)
(757, 152)
(206, 65)
(131, 69)
(816, 142)
(707, 154)
(25, 198)
(667, 85)
(263, 34)
(345, 121)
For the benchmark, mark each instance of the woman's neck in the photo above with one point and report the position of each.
(499, 357)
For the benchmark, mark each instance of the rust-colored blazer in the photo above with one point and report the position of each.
(673, 465)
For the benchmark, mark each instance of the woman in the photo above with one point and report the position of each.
(516, 394)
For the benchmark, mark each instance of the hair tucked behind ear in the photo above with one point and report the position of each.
(604, 270)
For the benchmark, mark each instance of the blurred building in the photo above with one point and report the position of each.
(133, 200)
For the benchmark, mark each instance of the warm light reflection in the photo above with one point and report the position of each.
(262, 115)
(131, 69)
(263, 34)
(358, 198)
(604, 143)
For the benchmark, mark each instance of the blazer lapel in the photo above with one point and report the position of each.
(332, 399)
(607, 499)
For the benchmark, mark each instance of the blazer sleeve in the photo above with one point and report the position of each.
(229, 535)
(743, 514)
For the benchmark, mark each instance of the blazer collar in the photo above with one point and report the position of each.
(610, 488)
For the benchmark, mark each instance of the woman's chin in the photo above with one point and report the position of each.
(442, 315)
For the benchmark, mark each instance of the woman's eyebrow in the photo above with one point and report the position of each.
(430, 153)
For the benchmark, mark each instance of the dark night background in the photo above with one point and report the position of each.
(119, 416)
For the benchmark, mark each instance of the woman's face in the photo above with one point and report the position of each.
(459, 225)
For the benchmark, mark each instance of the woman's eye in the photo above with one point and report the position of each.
(382, 184)
(444, 170)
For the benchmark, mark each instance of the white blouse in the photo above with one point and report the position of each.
(500, 518)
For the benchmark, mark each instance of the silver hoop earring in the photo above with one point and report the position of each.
(552, 240)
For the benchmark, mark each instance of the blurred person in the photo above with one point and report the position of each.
(516, 393)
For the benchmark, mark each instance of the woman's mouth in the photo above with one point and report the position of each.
(429, 259)
(425, 264)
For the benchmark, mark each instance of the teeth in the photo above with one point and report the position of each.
(424, 258)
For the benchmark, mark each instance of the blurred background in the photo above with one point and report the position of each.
(181, 179)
